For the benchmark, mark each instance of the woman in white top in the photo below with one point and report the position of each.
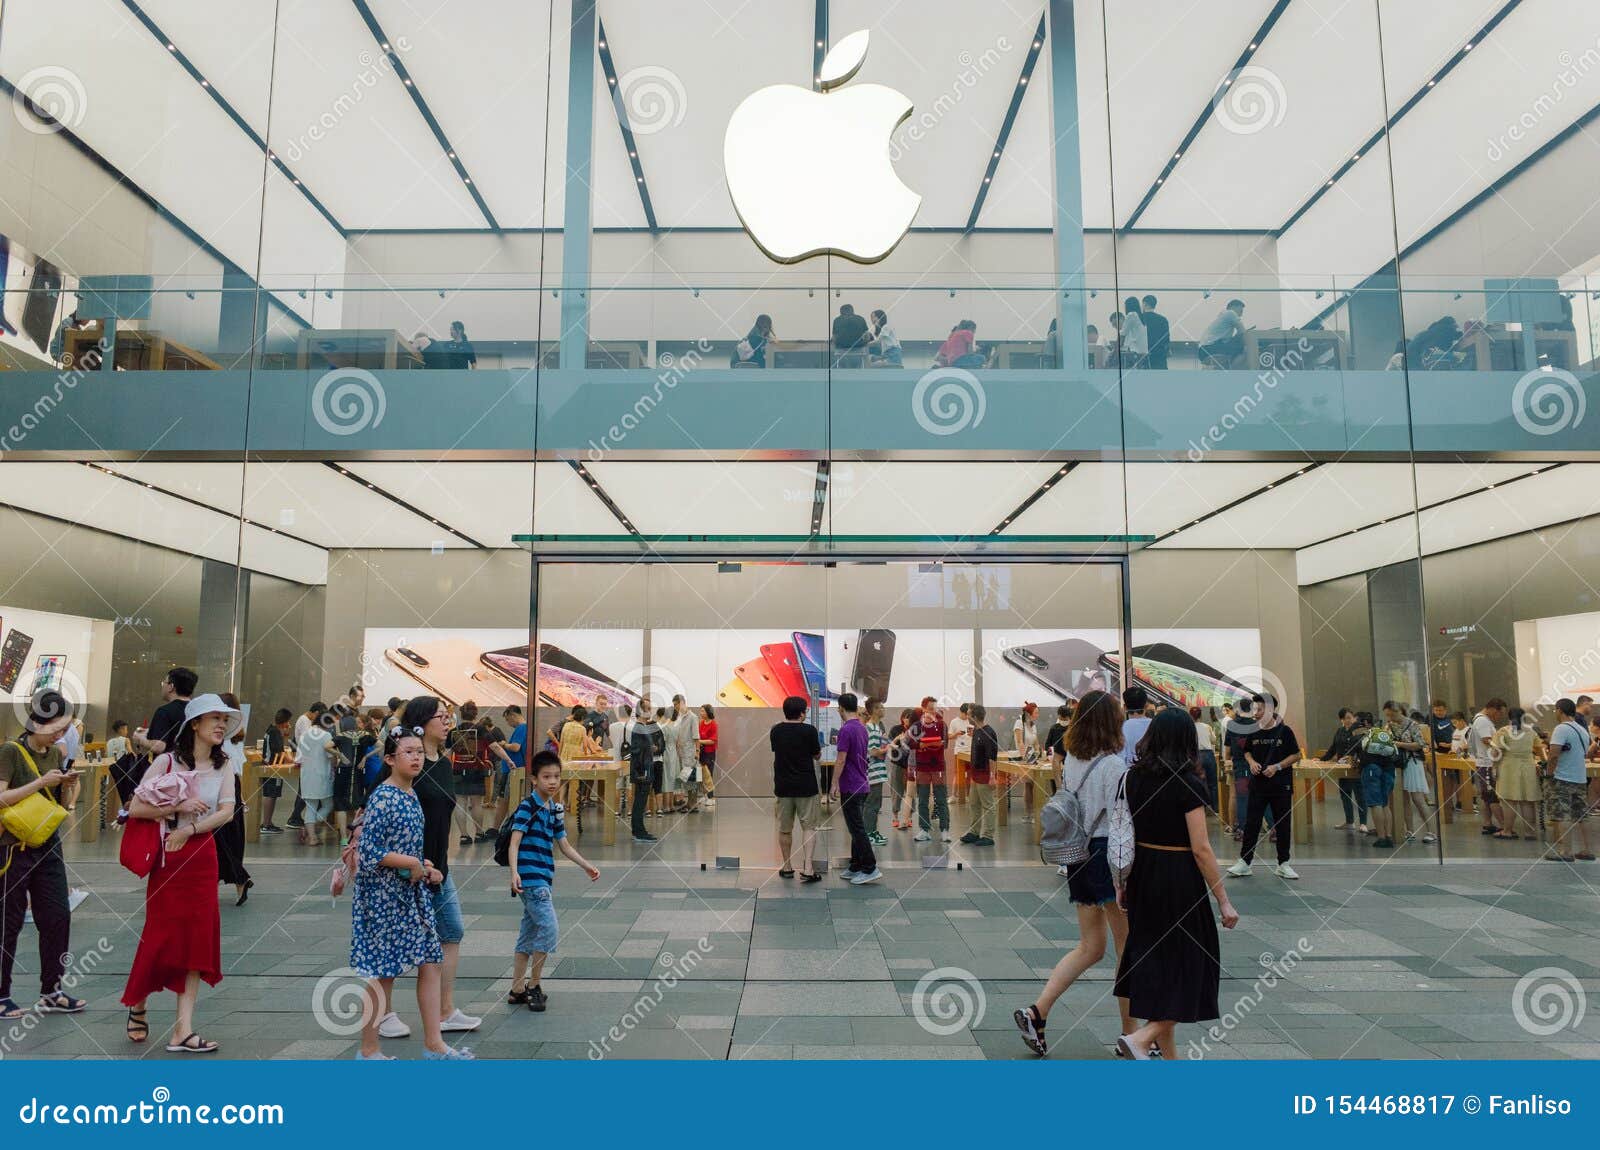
(1094, 767)
(685, 735)
(1135, 336)
(230, 838)
(1025, 733)
(314, 750)
(884, 348)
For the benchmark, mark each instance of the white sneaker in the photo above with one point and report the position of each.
(921, 837)
(1240, 869)
(1284, 870)
(863, 879)
(944, 836)
(1430, 838)
(460, 1020)
(391, 1025)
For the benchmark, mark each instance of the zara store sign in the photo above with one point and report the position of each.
(809, 172)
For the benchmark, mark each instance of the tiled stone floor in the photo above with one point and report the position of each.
(662, 960)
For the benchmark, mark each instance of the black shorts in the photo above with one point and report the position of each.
(271, 788)
(656, 777)
(1089, 883)
(470, 782)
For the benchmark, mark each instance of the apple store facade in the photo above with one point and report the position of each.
(982, 350)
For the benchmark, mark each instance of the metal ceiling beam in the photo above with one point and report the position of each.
(602, 495)
(415, 92)
(1201, 120)
(232, 113)
(1021, 90)
(609, 67)
(1417, 97)
(398, 502)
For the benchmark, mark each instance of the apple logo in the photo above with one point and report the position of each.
(809, 172)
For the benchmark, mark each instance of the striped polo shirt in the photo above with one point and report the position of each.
(877, 768)
(541, 825)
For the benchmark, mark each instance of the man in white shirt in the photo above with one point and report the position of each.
(1134, 701)
(1480, 745)
(961, 730)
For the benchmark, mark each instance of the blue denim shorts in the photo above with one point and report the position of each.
(1377, 784)
(1090, 884)
(447, 911)
(539, 932)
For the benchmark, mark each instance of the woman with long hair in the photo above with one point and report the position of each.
(1171, 966)
(392, 920)
(1093, 768)
(898, 752)
(181, 942)
(230, 838)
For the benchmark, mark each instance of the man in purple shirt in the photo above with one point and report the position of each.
(853, 790)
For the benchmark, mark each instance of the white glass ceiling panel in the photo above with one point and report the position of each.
(483, 68)
(145, 115)
(1554, 496)
(1437, 482)
(378, 165)
(1419, 38)
(1165, 59)
(1456, 142)
(960, 72)
(489, 502)
(684, 68)
(1393, 542)
(1319, 96)
(1300, 511)
(234, 55)
(709, 498)
(318, 504)
(881, 498)
(1160, 496)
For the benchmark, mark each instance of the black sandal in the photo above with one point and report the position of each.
(786, 873)
(517, 997)
(138, 1027)
(811, 878)
(60, 1003)
(194, 1044)
(1031, 1023)
(10, 1010)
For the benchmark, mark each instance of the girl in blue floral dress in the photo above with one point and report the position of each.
(392, 925)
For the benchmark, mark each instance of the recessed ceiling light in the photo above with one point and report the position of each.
(409, 83)
(172, 47)
(1252, 47)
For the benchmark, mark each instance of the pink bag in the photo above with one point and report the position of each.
(344, 871)
(167, 789)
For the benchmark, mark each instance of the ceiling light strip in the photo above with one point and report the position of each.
(819, 44)
(1056, 477)
(386, 46)
(1376, 138)
(193, 502)
(1204, 117)
(398, 502)
(600, 493)
(608, 65)
(1035, 49)
(819, 495)
(1226, 507)
(232, 113)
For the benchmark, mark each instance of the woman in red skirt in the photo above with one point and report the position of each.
(182, 938)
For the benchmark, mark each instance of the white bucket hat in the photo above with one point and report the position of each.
(213, 705)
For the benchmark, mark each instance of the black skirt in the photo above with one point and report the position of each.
(230, 849)
(1171, 967)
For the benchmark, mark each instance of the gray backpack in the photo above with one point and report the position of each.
(1063, 833)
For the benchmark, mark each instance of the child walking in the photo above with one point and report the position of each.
(536, 830)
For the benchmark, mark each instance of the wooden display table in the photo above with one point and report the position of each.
(1281, 347)
(1035, 778)
(92, 789)
(960, 764)
(134, 350)
(255, 771)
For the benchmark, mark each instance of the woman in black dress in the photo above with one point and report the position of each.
(1171, 967)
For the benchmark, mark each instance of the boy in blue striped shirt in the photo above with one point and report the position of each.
(536, 830)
